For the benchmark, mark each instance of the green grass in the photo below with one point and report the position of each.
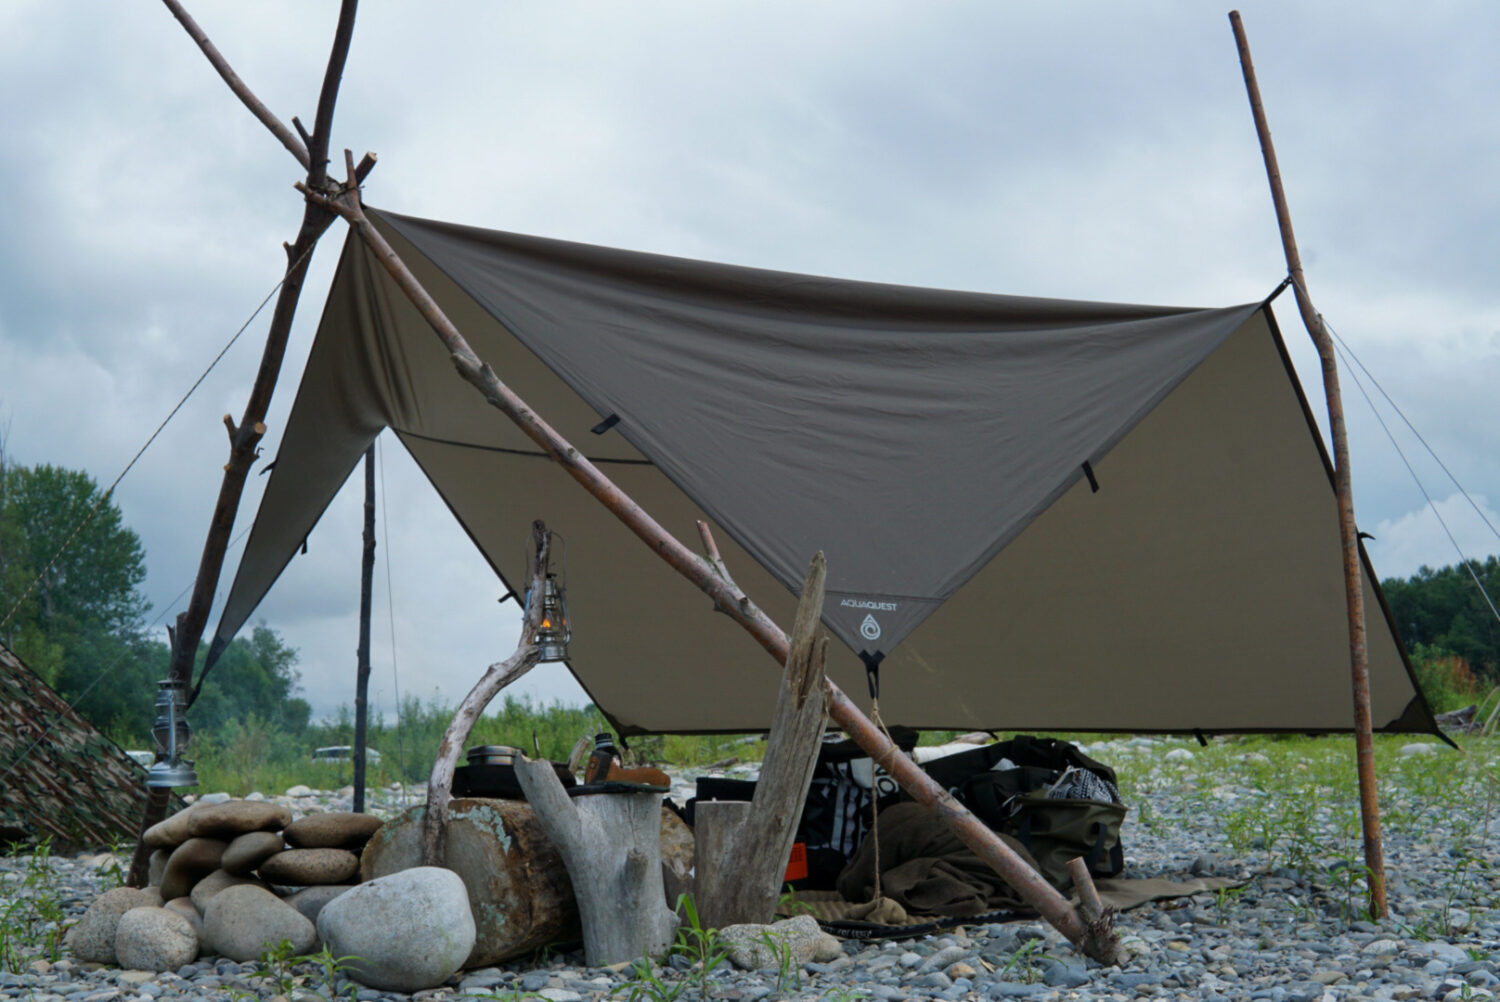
(253, 755)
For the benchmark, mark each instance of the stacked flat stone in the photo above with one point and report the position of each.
(232, 878)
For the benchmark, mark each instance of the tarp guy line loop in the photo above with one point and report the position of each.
(1088, 471)
(606, 424)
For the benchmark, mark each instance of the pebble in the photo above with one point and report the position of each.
(1290, 934)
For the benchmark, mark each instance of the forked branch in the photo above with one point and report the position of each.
(499, 675)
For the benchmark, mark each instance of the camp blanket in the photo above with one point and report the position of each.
(925, 868)
(886, 918)
(930, 881)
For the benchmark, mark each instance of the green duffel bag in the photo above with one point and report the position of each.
(1058, 829)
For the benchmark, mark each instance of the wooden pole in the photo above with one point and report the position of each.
(1359, 668)
(726, 594)
(244, 438)
(362, 676)
(497, 677)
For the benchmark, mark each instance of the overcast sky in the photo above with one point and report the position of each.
(1086, 151)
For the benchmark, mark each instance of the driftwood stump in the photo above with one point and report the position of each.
(741, 851)
(611, 844)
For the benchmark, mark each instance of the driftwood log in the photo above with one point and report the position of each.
(611, 844)
(741, 853)
(497, 677)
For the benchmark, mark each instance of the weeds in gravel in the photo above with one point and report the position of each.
(1025, 964)
(32, 917)
(788, 974)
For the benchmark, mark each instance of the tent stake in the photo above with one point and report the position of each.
(1102, 945)
(1369, 807)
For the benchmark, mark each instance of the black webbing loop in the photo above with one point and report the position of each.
(606, 424)
(1088, 471)
(1202, 740)
(872, 671)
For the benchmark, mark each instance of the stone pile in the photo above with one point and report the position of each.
(233, 878)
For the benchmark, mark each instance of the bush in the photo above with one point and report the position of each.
(1446, 679)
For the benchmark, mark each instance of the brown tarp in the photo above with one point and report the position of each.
(1040, 514)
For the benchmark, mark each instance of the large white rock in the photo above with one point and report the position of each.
(412, 929)
(243, 921)
(154, 939)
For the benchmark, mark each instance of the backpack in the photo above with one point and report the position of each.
(1057, 801)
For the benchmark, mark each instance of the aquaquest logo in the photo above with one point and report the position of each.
(864, 603)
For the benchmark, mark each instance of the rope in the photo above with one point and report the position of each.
(875, 792)
(1463, 558)
(390, 611)
(105, 496)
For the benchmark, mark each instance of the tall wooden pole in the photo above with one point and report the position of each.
(244, 437)
(362, 678)
(1359, 667)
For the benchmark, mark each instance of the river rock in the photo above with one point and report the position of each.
(237, 817)
(169, 833)
(306, 867)
(93, 939)
(248, 851)
(243, 921)
(154, 939)
(156, 866)
(310, 900)
(332, 830)
(801, 937)
(204, 890)
(412, 929)
(189, 863)
(189, 911)
(519, 892)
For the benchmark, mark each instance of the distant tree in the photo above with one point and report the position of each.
(69, 585)
(83, 571)
(255, 677)
(1446, 612)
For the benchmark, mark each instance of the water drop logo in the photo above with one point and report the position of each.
(869, 629)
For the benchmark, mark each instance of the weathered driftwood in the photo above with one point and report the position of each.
(244, 438)
(611, 843)
(742, 848)
(727, 596)
(1354, 590)
(497, 677)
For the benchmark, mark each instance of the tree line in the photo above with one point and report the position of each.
(72, 608)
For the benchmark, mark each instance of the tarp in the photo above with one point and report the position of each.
(1037, 514)
(59, 777)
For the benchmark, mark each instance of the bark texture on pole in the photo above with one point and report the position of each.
(1359, 666)
(244, 437)
(742, 849)
(362, 654)
(499, 675)
(727, 596)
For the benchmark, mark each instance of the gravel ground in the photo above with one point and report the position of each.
(1291, 933)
